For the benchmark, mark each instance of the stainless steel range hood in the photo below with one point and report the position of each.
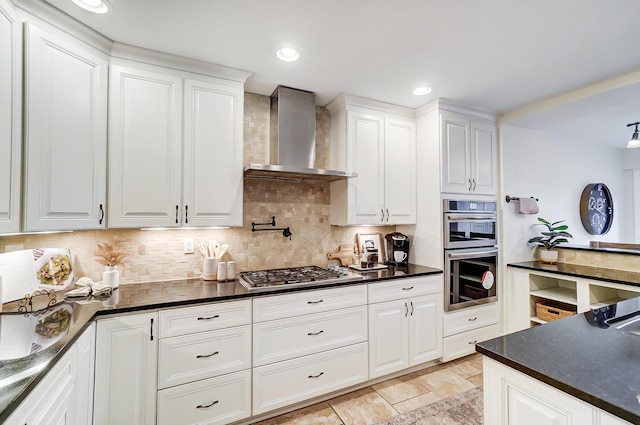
(293, 140)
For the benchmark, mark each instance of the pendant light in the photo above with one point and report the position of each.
(634, 142)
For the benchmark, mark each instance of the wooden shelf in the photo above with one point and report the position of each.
(558, 293)
(605, 302)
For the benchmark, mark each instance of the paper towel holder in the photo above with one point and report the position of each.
(516, 199)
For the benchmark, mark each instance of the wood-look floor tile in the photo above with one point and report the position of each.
(476, 380)
(400, 389)
(416, 402)
(362, 407)
(445, 383)
(317, 414)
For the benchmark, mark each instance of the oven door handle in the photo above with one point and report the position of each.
(487, 217)
(474, 254)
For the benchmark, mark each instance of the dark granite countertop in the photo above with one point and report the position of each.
(18, 376)
(581, 356)
(588, 272)
(609, 250)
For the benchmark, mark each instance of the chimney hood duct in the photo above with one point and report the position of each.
(293, 140)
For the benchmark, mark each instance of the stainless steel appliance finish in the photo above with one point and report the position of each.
(470, 223)
(470, 253)
(266, 280)
(471, 276)
(293, 140)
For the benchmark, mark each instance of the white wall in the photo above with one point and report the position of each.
(555, 170)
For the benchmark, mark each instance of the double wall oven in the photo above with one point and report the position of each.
(470, 252)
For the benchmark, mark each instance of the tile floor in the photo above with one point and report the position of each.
(390, 398)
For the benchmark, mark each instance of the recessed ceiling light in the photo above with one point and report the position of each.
(94, 6)
(288, 54)
(421, 91)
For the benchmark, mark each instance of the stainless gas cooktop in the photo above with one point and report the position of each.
(265, 280)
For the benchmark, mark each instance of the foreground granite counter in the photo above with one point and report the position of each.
(580, 355)
(19, 374)
(587, 272)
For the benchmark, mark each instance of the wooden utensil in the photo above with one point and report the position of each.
(223, 249)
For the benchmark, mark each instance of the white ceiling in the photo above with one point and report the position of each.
(499, 55)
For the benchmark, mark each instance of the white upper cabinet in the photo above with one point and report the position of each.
(175, 149)
(378, 142)
(469, 155)
(66, 132)
(10, 117)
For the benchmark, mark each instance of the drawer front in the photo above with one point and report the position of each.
(187, 358)
(220, 400)
(471, 318)
(463, 344)
(397, 289)
(188, 320)
(291, 381)
(285, 339)
(308, 302)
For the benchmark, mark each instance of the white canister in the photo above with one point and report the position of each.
(210, 268)
(222, 271)
(231, 270)
(111, 276)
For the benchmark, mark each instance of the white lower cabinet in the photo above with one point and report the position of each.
(219, 400)
(126, 368)
(63, 397)
(405, 331)
(464, 328)
(284, 383)
(513, 398)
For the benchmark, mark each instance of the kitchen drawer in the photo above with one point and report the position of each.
(285, 339)
(308, 302)
(187, 358)
(397, 289)
(284, 383)
(220, 400)
(464, 343)
(188, 320)
(470, 318)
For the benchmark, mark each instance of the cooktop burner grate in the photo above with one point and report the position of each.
(289, 276)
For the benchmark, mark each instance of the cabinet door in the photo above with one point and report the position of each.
(66, 132)
(145, 148)
(86, 351)
(126, 366)
(400, 171)
(366, 149)
(10, 117)
(213, 174)
(388, 336)
(484, 157)
(455, 153)
(425, 328)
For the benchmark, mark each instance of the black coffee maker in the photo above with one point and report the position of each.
(397, 249)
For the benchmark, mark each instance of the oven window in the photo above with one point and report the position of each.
(465, 231)
(472, 280)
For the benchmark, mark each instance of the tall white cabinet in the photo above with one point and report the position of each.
(175, 148)
(378, 142)
(10, 117)
(65, 132)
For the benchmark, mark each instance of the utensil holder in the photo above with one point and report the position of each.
(210, 268)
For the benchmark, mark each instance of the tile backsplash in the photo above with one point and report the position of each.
(158, 255)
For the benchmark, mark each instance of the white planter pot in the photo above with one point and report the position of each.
(111, 276)
(548, 256)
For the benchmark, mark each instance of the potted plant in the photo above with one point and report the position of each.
(555, 235)
(110, 255)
